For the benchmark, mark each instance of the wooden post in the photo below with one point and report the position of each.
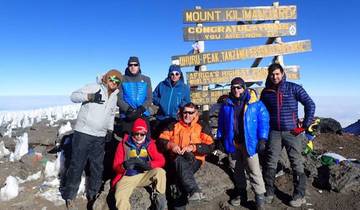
(202, 67)
(280, 58)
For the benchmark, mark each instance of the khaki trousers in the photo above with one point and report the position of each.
(127, 184)
(241, 162)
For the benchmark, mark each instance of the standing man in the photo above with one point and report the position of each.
(170, 95)
(95, 121)
(188, 142)
(243, 129)
(138, 163)
(281, 99)
(135, 95)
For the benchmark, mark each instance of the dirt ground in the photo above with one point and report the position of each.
(346, 145)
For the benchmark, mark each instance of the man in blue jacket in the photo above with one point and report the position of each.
(281, 99)
(170, 95)
(243, 128)
(135, 95)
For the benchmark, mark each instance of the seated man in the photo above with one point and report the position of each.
(188, 142)
(138, 163)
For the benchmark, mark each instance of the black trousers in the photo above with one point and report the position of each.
(180, 173)
(85, 149)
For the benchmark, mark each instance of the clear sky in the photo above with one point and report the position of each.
(52, 47)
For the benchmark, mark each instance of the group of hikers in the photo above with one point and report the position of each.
(166, 152)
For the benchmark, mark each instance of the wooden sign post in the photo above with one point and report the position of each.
(252, 22)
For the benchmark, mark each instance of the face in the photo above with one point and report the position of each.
(237, 90)
(113, 84)
(189, 114)
(175, 76)
(276, 76)
(139, 136)
(133, 67)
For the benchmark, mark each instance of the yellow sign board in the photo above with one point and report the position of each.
(243, 53)
(211, 96)
(239, 31)
(240, 14)
(225, 76)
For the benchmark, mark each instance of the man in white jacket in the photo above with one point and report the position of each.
(95, 120)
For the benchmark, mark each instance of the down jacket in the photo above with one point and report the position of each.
(282, 104)
(157, 160)
(256, 123)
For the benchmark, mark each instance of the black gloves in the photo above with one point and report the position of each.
(95, 97)
(109, 136)
(261, 147)
(136, 164)
(133, 114)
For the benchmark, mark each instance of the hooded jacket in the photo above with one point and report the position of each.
(255, 121)
(182, 134)
(94, 118)
(135, 91)
(282, 104)
(170, 97)
(156, 159)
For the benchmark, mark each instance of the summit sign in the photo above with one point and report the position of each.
(240, 14)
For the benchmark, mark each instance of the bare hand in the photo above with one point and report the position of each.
(188, 148)
(176, 149)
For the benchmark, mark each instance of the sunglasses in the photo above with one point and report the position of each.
(188, 112)
(133, 64)
(139, 134)
(175, 73)
(114, 79)
(236, 87)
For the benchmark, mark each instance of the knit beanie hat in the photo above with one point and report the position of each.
(174, 68)
(134, 59)
(238, 81)
(139, 126)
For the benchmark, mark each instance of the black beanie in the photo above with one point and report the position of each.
(238, 81)
(133, 59)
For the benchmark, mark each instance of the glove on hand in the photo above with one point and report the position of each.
(95, 97)
(129, 164)
(131, 114)
(261, 147)
(297, 131)
(141, 165)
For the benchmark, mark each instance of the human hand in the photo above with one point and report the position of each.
(189, 148)
(261, 147)
(95, 97)
(176, 149)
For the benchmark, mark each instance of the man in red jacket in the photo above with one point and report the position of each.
(138, 163)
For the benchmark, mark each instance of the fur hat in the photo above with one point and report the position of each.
(111, 73)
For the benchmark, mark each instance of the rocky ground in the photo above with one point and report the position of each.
(326, 187)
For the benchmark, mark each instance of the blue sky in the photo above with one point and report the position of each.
(54, 47)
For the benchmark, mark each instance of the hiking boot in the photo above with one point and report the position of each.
(260, 201)
(241, 198)
(297, 202)
(196, 196)
(269, 199)
(70, 205)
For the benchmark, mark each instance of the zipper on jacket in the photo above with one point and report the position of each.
(168, 111)
(279, 103)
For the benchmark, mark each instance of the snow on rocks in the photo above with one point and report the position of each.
(10, 190)
(3, 151)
